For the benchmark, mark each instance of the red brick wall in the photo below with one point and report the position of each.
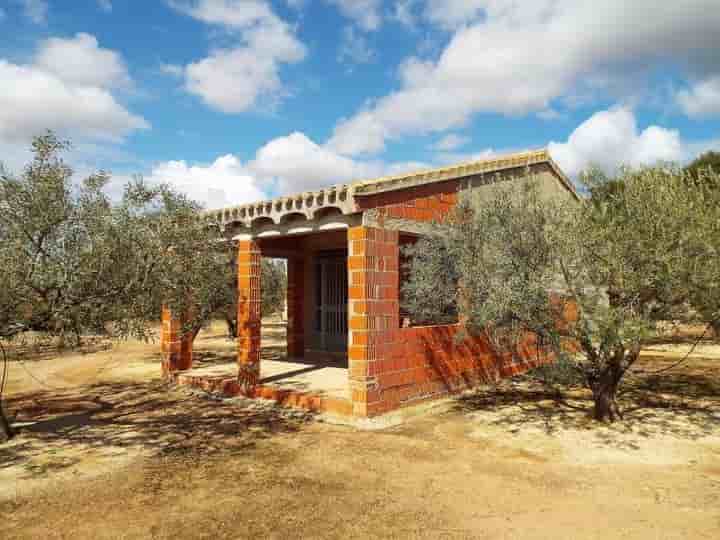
(392, 366)
(295, 307)
(175, 349)
(431, 202)
(427, 361)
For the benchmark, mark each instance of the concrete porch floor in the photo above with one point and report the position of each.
(316, 385)
(323, 380)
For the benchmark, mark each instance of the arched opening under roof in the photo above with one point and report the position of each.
(262, 221)
(326, 212)
(294, 218)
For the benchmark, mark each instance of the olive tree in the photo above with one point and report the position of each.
(274, 286)
(698, 168)
(595, 280)
(73, 260)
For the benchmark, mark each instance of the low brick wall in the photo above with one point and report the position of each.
(428, 362)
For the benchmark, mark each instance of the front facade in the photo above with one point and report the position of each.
(343, 250)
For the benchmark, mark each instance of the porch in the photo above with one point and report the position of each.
(320, 386)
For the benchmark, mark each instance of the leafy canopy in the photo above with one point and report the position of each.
(643, 252)
(73, 260)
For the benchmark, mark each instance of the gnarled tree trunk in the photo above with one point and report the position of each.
(604, 384)
(604, 393)
(6, 430)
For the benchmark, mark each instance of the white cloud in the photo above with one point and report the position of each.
(105, 5)
(611, 138)
(516, 58)
(80, 61)
(285, 165)
(54, 93)
(235, 79)
(451, 141)
(35, 10)
(451, 13)
(225, 182)
(33, 100)
(366, 13)
(702, 100)
(403, 13)
(296, 163)
(354, 48)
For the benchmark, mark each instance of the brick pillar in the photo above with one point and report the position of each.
(176, 349)
(295, 307)
(249, 315)
(373, 260)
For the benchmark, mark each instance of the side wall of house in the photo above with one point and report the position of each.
(404, 208)
(430, 361)
(401, 366)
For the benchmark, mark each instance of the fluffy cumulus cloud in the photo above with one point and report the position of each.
(366, 13)
(515, 58)
(702, 100)
(224, 182)
(297, 164)
(72, 96)
(80, 61)
(238, 78)
(285, 165)
(611, 138)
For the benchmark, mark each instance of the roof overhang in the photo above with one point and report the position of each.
(311, 210)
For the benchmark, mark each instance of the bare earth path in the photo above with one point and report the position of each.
(113, 453)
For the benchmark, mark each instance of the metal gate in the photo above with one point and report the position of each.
(331, 302)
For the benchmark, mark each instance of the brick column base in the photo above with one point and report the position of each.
(249, 314)
(373, 298)
(176, 349)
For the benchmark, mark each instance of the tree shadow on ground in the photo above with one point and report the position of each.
(59, 428)
(683, 404)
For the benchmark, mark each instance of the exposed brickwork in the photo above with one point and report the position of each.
(373, 310)
(431, 202)
(249, 314)
(295, 307)
(392, 366)
(176, 349)
(428, 361)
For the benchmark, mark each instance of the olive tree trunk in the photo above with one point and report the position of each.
(605, 383)
(6, 430)
(604, 394)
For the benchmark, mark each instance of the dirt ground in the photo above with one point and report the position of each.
(107, 450)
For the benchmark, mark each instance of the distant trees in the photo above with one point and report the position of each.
(704, 163)
(72, 260)
(642, 250)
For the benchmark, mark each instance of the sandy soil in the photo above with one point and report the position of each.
(110, 452)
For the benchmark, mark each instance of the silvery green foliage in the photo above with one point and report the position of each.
(643, 249)
(75, 261)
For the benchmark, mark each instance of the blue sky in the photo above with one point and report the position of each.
(235, 100)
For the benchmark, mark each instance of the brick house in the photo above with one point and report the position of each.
(343, 250)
